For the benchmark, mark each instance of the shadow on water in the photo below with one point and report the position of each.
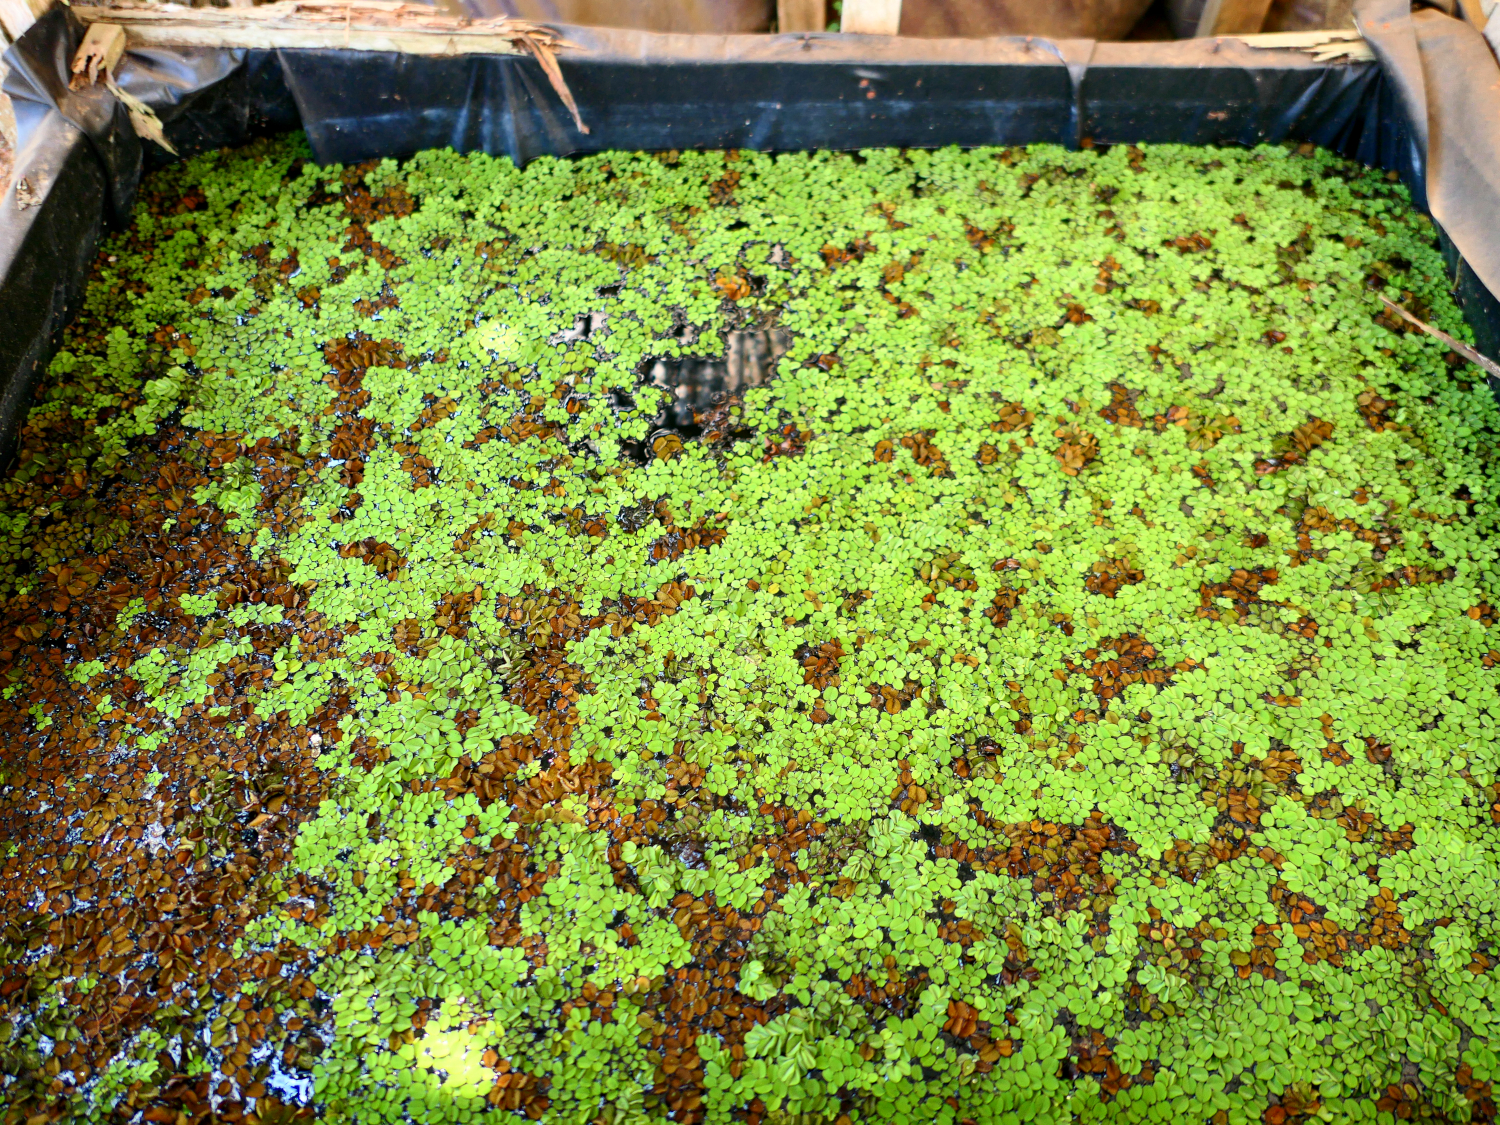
(705, 394)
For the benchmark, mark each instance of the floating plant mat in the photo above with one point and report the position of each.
(1063, 690)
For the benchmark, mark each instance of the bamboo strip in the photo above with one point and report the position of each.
(364, 25)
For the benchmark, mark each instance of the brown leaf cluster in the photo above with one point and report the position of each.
(1064, 859)
(381, 555)
(677, 541)
(1109, 576)
(1002, 606)
(1304, 439)
(1194, 243)
(788, 441)
(927, 455)
(1078, 448)
(1012, 417)
(732, 286)
(1121, 409)
(154, 921)
(1243, 588)
(721, 191)
(893, 700)
(1132, 665)
(820, 666)
(855, 251)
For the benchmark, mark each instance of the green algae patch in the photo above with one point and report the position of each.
(1060, 690)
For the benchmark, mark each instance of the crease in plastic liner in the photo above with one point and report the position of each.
(1430, 109)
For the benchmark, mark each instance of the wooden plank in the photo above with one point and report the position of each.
(801, 15)
(15, 17)
(872, 17)
(1232, 17)
(102, 46)
(352, 39)
(367, 25)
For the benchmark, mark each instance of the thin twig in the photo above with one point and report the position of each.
(1482, 361)
(542, 51)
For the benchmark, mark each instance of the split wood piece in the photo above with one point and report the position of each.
(100, 50)
(353, 25)
(95, 60)
(871, 17)
(801, 15)
(143, 118)
(1321, 45)
(1476, 358)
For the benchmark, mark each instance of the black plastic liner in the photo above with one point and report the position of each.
(1430, 109)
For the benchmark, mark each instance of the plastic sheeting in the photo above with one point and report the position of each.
(1430, 109)
(820, 91)
(45, 254)
(639, 91)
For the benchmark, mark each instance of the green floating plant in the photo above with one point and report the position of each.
(1061, 691)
